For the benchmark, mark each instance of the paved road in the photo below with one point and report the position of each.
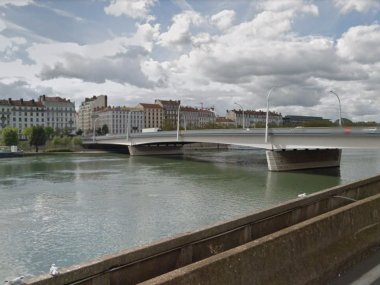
(364, 273)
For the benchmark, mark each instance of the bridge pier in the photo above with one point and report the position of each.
(156, 149)
(284, 160)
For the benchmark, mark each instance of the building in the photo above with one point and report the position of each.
(294, 120)
(194, 118)
(119, 120)
(253, 118)
(224, 122)
(153, 114)
(22, 113)
(85, 117)
(170, 113)
(59, 113)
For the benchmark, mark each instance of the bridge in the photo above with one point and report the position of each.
(287, 148)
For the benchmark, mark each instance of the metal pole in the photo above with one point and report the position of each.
(340, 108)
(93, 132)
(179, 107)
(243, 114)
(267, 119)
(128, 123)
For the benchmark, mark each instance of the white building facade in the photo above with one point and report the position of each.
(85, 118)
(60, 113)
(119, 120)
(253, 118)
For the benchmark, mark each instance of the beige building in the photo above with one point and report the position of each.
(59, 113)
(153, 114)
(119, 120)
(170, 113)
(85, 114)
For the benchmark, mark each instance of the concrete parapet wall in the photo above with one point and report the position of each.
(311, 252)
(301, 230)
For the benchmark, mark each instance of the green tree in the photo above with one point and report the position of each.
(79, 132)
(10, 136)
(49, 132)
(38, 137)
(105, 130)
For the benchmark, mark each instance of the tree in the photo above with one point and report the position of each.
(79, 132)
(49, 131)
(10, 136)
(38, 137)
(105, 130)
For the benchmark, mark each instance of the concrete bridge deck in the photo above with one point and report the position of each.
(308, 240)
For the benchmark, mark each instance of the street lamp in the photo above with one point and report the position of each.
(94, 124)
(71, 124)
(3, 118)
(267, 119)
(243, 114)
(128, 124)
(340, 109)
(179, 107)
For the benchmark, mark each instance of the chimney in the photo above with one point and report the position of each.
(10, 100)
(22, 101)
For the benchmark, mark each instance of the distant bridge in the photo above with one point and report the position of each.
(322, 145)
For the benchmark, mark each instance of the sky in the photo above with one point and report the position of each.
(210, 53)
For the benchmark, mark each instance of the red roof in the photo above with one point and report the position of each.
(150, 106)
(21, 102)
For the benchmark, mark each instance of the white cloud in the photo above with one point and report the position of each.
(288, 5)
(135, 9)
(346, 6)
(179, 33)
(224, 19)
(8, 46)
(15, 2)
(361, 44)
(3, 26)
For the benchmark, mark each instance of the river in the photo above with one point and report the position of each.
(69, 208)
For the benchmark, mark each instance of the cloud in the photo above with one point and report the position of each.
(361, 44)
(22, 89)
(135, 9)
(16, 2)
(179, 33)
(101, 69)
(223, 20)
(10, 45)
(288, 5)
(346, 6)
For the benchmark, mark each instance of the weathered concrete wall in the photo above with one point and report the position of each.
(285, 160)
(209, 247)
(311, 252)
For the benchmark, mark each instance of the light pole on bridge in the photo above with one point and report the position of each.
(179, 108)
(340, 109)
(243, 114)
(267, 118)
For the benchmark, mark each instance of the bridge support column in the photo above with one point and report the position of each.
(284, 160)
(155, 149)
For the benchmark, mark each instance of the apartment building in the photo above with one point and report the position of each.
(119, 119)
(170, 112)
(252, 118)
(191, 117)
(22, 113)
(59, 113)
(84, 117)
(153, 115)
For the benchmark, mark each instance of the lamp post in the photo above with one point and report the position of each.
(340, 109)
(267, 118)
(71, 124)
(94, 124)
(243, 114)
(128, 123)
(179, 107)
(3, 118)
